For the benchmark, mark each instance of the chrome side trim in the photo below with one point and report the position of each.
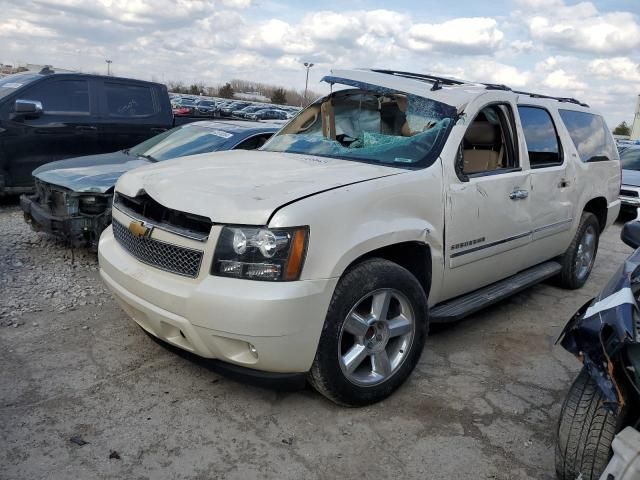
(514, 237)
(553, 225)
(181, 232)
(492, 244)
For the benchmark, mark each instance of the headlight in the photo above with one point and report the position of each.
(260, 253)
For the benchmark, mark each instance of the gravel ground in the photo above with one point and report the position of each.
(482, 403)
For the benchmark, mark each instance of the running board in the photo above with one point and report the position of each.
(460, 307)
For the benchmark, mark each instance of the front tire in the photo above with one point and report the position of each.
(577, 262)
(373, 334)
(585, 431)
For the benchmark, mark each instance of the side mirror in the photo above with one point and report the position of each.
(631, 234)
(28, 108)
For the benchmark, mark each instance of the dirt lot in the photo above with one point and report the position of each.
(483, 402)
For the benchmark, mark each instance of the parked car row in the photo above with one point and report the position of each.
(217, 107)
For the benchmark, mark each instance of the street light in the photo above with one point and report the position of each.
(109, 62)
(308, 66)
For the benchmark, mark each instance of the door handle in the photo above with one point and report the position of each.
(564, 183)
(158, 130)
(86, 128)
(518, 195)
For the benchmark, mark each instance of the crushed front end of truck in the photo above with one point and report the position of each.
(77, 218)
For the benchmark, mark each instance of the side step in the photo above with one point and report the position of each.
(460, 307)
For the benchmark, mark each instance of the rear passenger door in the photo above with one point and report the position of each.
(552, 182)
(130, 113)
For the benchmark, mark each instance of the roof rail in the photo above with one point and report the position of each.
(439, 81)
(420, 76)
(559, 99)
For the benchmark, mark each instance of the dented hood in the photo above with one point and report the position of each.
(244, 187)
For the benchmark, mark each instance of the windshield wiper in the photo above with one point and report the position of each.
(148, 157)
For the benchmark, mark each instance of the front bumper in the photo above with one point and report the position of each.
(78, 230)
(267, 326)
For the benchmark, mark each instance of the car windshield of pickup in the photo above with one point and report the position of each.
(382, 127)
(10, 83)
(181, 141)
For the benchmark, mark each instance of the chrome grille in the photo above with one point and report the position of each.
(165, 256)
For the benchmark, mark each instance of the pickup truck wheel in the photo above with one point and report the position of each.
(577, 262)
(585, 431)
(373, 334)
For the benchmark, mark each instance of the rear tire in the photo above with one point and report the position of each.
(585, 431)
(373, 334)
(577, 262)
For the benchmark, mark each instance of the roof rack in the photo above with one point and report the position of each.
(420, 76)
(438, 81)
(495, 86)
(559, 99)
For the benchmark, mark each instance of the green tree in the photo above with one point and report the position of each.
(622, 129)
(226, 91)
(279, 96)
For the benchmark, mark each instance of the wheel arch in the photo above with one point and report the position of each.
(598, 206)
(415, 256)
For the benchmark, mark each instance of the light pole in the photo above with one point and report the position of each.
(308, 66)
(109, 62)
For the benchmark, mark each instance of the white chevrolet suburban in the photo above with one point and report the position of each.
(396, 201)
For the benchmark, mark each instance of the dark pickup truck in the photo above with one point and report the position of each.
(50, 116)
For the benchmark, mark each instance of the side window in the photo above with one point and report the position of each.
(541, 136)
(590, 136)
(253, 142)
(62, 97)
(129, 100)
(488, 144)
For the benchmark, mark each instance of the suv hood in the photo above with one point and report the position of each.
(244, 187)
(93, 173)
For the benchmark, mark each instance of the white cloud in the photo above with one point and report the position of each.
(582, 27)
(471, 35)
(495, 72)
(559, 79)
(616, 68)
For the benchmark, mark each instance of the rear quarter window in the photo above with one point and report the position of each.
(590, 136)
(130, 101)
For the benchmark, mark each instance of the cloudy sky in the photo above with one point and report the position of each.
(589, 50)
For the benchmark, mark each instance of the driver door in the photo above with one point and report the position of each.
(487, 205)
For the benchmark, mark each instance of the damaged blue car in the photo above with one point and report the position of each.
(605, 397)
(73, 197)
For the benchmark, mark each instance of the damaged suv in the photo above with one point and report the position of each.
(398, 201)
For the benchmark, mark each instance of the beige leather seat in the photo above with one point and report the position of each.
(480, 143)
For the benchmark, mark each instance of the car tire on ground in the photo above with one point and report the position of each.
(373, 334)
(585, 431)
(577, 262)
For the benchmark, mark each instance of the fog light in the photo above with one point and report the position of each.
(253, 350)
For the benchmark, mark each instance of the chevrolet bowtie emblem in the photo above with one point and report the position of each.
(140, 230)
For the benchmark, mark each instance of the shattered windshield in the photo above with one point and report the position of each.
(369, 125)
